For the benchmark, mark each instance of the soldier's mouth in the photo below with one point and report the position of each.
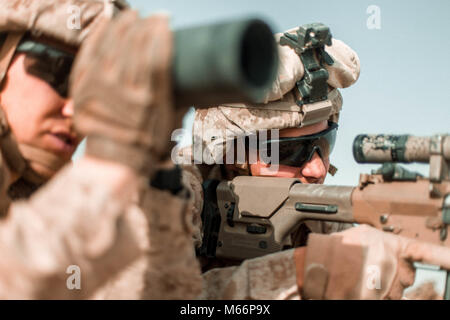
(65, 138)
(63, 143)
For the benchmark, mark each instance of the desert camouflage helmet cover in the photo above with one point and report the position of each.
(68, 21)
(279, 109)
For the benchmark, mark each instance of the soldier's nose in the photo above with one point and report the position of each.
(314, 169)
(67, 110)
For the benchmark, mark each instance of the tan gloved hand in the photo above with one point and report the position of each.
(364, 263)
(121, 87)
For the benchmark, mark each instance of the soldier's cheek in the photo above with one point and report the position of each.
(261, 169)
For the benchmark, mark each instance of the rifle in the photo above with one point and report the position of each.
(253, 216)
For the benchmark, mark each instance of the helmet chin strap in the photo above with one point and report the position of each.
(7, 51)
(49, 162)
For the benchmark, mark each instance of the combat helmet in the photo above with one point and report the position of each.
(66, 21)
(284, 106)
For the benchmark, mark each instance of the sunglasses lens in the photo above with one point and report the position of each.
(48, 64)
(294, 155)
(55, 73)
(299, 150)
(330, 138)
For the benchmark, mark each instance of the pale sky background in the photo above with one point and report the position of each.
(403, 87)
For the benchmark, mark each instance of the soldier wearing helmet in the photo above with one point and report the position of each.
(306, 129)
(93, 215)
(319, 266)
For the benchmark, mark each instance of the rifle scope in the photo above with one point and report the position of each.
(224, 63)
(399, 148)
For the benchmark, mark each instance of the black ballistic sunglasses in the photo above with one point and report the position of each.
(296, 151)
(47, 63)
